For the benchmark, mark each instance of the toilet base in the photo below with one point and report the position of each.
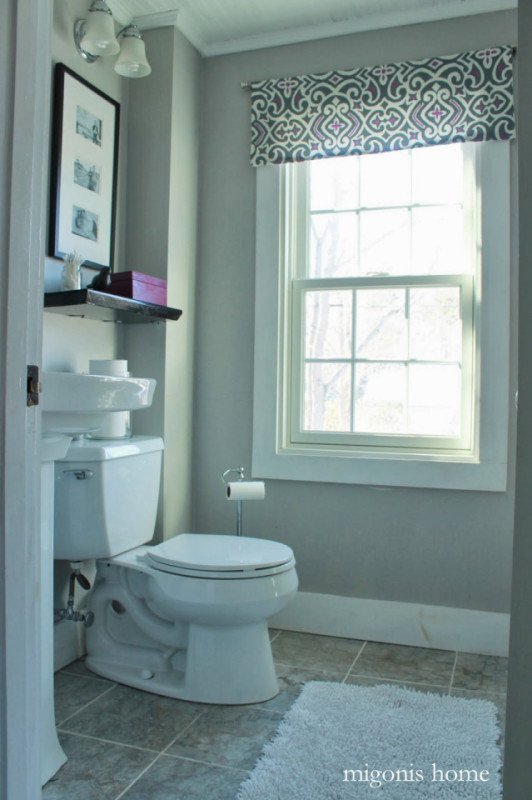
(221, 665)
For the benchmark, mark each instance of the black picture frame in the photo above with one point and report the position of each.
(84, 170)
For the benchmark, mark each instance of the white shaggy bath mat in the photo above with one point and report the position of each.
(380, 742)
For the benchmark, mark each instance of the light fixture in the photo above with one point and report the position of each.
(95, 37)
(132, 61)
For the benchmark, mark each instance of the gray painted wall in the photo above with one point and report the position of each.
(68, 343)
(162, 163)
(437, 547)
(517, 761)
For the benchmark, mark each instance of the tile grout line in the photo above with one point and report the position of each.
(141, 773)
(163, 752)
(182, 733)
(453, 672)
(94, 699)
(158, 756)
(348, 673)
(90, 676)
(205, 763)
(108, 741)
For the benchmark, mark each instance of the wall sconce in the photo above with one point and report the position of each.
(95, 37)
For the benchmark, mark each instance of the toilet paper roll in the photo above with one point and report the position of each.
(246, 490)
(114, 367)
(116, 425)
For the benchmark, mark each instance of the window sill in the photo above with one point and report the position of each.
(461, 473)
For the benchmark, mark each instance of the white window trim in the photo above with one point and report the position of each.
(485, 470)
(296, 433)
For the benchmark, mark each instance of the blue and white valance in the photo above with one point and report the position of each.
(459, 98)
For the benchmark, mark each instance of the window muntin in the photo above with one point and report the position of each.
(382, 344)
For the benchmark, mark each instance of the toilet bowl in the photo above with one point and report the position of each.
(186, 618)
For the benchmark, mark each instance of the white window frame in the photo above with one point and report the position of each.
(293, 431)
(482, 468)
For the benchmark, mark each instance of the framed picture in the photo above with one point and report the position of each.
(84, 170)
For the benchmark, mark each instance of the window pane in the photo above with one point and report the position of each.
(435, 324)
(334, 183)
(333, 245)
(380, 391)
(434, 400)
(385, 179)
(381, 324)
(437, 174)
(328, 324)
(327, 404)
(438, 241)
(385, 242)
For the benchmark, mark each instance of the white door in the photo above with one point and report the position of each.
(25, 70)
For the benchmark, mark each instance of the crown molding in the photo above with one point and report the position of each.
(162, 19)
(307, 33)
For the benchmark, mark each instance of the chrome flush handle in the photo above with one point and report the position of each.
(79, 474)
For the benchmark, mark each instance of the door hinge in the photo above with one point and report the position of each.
(32, 386)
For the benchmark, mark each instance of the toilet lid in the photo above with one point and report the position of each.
(205, 552)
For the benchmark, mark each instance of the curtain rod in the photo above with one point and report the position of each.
(249, 84)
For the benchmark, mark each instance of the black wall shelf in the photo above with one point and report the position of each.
(107, 307)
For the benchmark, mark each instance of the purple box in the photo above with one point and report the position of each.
(138, 286)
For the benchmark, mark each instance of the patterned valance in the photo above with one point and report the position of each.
(465, 97)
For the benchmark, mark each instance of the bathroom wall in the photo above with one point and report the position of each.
(69, 343)
(156, 234)
(163, 152)
(443, 548)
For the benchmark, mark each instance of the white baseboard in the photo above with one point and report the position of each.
(69, 643)
(438, 627)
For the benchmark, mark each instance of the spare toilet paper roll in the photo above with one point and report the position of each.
(114, 367)
(246, 490)
(116, 424)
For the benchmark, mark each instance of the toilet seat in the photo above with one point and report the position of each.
(218, 556)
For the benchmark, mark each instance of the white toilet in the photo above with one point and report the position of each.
(185, 618)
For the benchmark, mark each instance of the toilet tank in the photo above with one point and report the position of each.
(106, 494)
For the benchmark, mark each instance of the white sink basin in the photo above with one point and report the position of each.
(75, 403)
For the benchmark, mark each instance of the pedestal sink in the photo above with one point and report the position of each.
(53, 447)
(72, 404)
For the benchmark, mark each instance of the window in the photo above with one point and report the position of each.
(386, 361)
(382, 281)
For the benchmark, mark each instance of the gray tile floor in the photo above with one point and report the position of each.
(124, 743)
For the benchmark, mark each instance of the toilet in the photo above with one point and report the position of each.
(186, 618)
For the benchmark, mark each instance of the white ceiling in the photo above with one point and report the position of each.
(227, 26)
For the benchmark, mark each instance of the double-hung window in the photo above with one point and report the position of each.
(382, 318)
(382, 278)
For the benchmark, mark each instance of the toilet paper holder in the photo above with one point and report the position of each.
(239, 471)
(242, 490)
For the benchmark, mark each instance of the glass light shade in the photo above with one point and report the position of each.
(99, 38)
(132, 61)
